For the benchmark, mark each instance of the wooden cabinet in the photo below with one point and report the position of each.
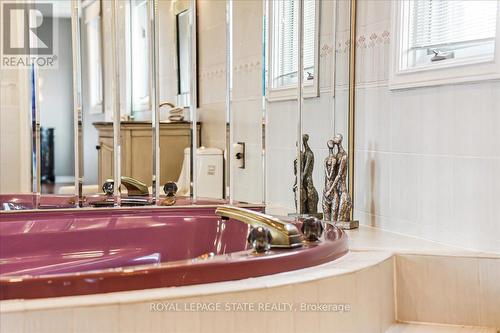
(137, 151)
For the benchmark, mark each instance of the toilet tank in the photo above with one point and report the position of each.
(210, 172)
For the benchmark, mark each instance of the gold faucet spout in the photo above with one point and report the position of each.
(166, 104)
(134, 187)
(284, 234)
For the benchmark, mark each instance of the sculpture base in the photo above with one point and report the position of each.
(316, 215)
(346, 225)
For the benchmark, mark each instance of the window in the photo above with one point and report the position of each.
(94, 55)
(445, 36)
(139, 56)
(284, 44)
(184, 77)
(442, 30)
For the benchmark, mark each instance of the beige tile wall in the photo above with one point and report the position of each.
(448, 290)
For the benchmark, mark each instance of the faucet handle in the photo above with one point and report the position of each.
(312, 228)
(108, 187)
(170, 189)
(134, 187)
(260, 239)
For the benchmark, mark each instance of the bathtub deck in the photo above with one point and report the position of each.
(385, 278)
(430, 328)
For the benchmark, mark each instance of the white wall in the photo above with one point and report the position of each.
(15, 146)
(15, 131)
(427, 159)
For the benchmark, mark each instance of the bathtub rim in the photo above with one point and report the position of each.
(128, 208)
(329, 249)
(339, 267)
(139, 271)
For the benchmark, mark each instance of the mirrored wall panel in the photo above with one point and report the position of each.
(175, 84)
(318, 161)
(221, 101)
(247, 111)
(307, 103)
(55, 104)
(96, 150)
(212, 168)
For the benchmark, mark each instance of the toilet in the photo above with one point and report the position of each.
(210, 173)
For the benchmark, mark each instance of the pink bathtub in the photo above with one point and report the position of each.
(89, 251)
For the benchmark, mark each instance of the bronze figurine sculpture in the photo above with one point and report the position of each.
(342, 212)
(308, 194)
(329, 190)
(337, 202)
(295, 185)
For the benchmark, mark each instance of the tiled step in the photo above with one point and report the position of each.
(449, 290)
(433, 328)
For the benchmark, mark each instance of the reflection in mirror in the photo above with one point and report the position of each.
(342, 49)
(174, 87)
(137, 45)
(55, 103)
(184, 77)
(135, 72)
(344, 88)
(245, 142)
(96, 151)
(125, 131)
(247, 114)
(325, 92)
(283, 43)
(318, 111)
(212, 109)
(16, 173)
(281, 105)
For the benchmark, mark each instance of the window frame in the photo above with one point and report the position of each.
(96, 91)
(137, 106)
(311, 89)
(435, 73)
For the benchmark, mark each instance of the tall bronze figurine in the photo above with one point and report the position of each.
(308, 194)
(337, 203)
(303, 197)
(342, 203)
(329, 190)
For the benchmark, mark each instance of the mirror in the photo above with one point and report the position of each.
(182, 29)
(153, 79)
(96, 108)
(55, 107)
(133, 66)
(299, 123)
(246, 109)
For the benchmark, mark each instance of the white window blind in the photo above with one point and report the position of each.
(140, 55)
(464, 27)
(438, 42)
(94, 56)
(286, 41)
